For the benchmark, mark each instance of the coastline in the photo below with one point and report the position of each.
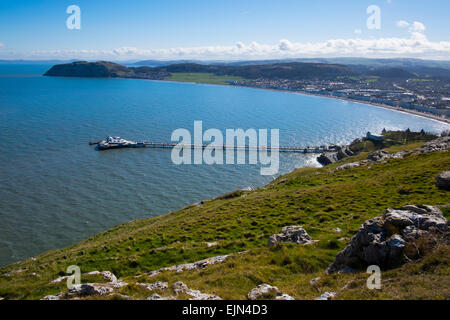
(367, 103)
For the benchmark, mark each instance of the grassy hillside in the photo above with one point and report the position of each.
(319, 199)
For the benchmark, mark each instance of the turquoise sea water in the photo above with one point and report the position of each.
(56, 190)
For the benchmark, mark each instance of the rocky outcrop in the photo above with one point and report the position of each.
(180, 287)
(158, 297)
(190, 266)
(107, 275)
(294, 234)
(159, 285)
(89, 289)
(439, 144)
(378, 156)
(327, 158)
(348, 166)
(443, 180)
(265, 292)
(326, 296)
(393, 238)
(57, 296)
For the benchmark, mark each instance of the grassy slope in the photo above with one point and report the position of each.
(201, 78)
(315, 198)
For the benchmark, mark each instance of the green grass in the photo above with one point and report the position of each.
(202, 78)
(316, 198)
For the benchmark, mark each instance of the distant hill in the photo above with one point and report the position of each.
(316, 69)
(392, 73)
(104, 69)
(295, 70)
(418, 67)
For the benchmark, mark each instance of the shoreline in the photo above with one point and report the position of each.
(367, 103)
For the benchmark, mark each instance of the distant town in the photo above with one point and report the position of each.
(428, 96)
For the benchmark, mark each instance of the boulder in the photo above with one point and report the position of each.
(326, 296)
(439, 144)
(385, 240)
(443, 180)
(158, 297)
(57, 296)
(154, 286)
(265, 292)
(201, 264)
(284, 296)
(327, 158)
(197, 295)
(348, 166)
(180, 287)
(107, 275)
(379, 156)
(89, 289)
(295, 234)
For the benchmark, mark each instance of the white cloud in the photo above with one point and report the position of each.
(402, 24)
(416, 46)
(417, 27)
(358, 31)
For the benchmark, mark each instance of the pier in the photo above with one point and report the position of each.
(102, 145)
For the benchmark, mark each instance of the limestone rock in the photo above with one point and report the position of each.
(190, 266)
(107, 275)
(439, 144)
(57, 296)
(387, 239)
(348, 166)
(379, 155)
(89, 289)
(295, 234)
(443, 180)
(154, 286)
(263, 291)
(284, 296)
(180, 287)
(158, 297)
(326, 296)
(197, 295)
(327, 158)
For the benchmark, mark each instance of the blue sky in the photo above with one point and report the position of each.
(179, 28)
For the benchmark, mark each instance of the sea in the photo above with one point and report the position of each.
(56, 189)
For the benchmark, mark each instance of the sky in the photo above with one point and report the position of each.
(224, 29)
